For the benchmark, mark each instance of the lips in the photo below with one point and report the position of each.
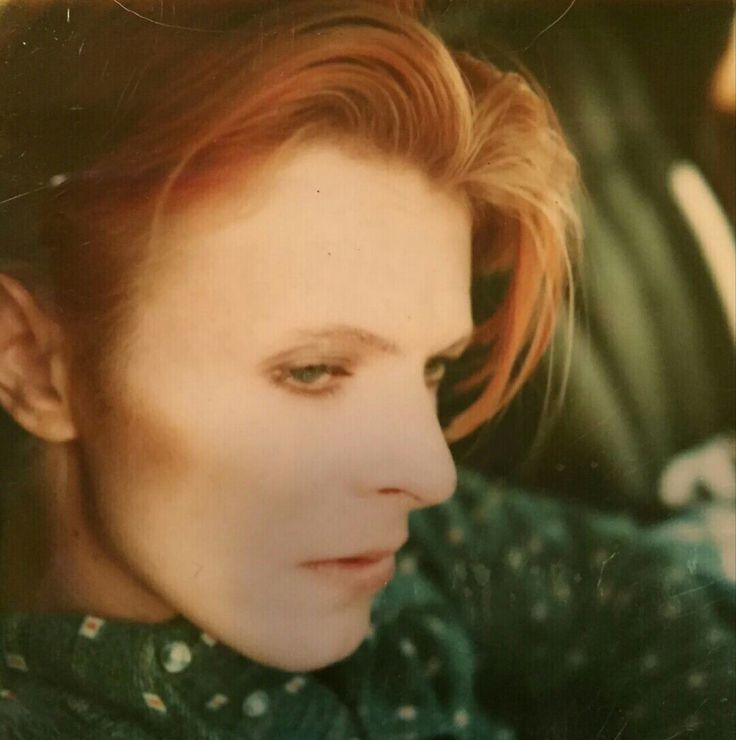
(362, 559)
(367, 571)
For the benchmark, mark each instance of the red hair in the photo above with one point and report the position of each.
(201, 100)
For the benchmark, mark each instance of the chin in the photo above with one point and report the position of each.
(315, 646)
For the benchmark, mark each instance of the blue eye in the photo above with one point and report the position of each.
(312, 379)
(309, 374)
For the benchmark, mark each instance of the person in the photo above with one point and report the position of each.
(239, 244)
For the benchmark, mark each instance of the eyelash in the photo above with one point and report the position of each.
(286, 376)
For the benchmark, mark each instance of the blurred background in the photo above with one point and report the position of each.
(645, 91)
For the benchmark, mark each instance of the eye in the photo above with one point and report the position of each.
(310, 374)
(315, 378)
(435, 370)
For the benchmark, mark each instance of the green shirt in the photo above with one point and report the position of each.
(511, 617)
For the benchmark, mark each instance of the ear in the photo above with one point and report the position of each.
(34, 386)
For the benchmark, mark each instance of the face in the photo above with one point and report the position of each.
(277, 419)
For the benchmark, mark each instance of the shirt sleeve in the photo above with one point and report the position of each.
(586, 625)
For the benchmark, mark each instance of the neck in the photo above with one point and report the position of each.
(54, 558)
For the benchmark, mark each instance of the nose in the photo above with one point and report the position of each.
(408, 455)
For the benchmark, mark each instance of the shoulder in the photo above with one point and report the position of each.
(19, 722)
(530, 534)
(490, 514)
(38, 711)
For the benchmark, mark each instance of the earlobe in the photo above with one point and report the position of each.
(33, 370)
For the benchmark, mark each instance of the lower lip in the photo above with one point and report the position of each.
(366, 575)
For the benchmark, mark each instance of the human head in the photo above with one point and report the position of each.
(208, 112)
(125, 109)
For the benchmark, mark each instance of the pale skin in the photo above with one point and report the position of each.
(278, 407)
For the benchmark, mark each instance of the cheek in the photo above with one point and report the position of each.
(134, 445)
(216, 453)
(140, 470)
(200, 452)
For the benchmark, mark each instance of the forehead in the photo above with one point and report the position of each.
(324, 235)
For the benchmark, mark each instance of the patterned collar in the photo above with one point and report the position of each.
(412, 676)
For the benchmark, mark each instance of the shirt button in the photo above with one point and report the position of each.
(256, 705)
(176, 656)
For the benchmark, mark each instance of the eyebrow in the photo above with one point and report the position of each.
(370, 340)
